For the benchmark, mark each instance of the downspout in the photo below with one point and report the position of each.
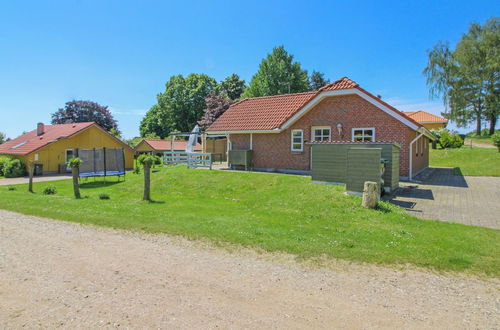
(251, 141)
(411, 155)
(229, 147)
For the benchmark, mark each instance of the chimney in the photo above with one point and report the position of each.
(40, 129)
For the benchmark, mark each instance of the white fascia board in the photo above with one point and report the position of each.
(427, 133)
(355, 91)
(276, 130)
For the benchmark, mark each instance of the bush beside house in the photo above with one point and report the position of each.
(3, 161)
(448, 139)
(11, 168)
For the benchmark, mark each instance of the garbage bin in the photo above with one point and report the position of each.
(38, 170)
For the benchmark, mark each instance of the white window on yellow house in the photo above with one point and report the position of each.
(297, 140)
(321, 133)
(363, 134)
(69, 155)
(36, 157)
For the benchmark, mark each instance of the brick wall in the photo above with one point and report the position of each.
(272, 150)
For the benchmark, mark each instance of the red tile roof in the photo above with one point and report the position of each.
(342, 83)
(271, 112)
(165, 145)
(261, 113)
(425, 117)
(29, 142)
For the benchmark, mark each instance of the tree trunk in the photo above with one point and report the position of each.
(147, 183)
(478, 125)
(31, 170)
(76, 186)
(493, 123)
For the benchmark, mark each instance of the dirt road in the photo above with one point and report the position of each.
(58, 274)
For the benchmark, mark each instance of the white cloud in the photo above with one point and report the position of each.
(131, 112)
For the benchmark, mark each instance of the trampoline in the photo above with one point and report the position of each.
(101, 162)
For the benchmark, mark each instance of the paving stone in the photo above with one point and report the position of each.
(441, 195)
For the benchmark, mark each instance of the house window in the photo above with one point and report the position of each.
(297, 140)
(321, 133)
(363, 134)
(69, 155)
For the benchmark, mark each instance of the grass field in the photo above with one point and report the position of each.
(268, 211)
(479, 139)
(468, 161)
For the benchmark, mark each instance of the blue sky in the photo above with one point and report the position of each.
(121, 53)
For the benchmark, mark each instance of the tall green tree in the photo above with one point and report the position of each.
(232, 86)
(179, 107)
(317, 80)
(468, 77)
(278, 74)
(3, 138)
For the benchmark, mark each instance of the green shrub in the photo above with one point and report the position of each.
(75, 162)
(104, 196)
(485, 132)
(448, 139)
(3, 160)
(13, 168)
(50, 190)
(496, 139)
(10, 188)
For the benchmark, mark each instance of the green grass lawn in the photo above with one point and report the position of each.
(468, 161)
(272, 212)
(480, 139)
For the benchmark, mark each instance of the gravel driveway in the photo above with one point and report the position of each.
(58, 274)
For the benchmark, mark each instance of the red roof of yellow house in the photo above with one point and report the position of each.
(271, 112)
(165, 145)
(424, 117)
(29, 142)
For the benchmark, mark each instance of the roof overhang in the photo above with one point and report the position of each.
(276, 130)
(433, 122)
(427, 133)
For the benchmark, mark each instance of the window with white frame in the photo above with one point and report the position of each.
(363, 134)
(297, 140)
(321, 133)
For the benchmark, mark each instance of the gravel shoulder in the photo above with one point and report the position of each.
(59, 274)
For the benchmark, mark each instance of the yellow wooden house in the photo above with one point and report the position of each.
(53, 146)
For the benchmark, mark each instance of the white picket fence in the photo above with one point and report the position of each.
(191, 159)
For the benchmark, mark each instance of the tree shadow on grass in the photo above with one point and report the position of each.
(156, 202)
(98, 184)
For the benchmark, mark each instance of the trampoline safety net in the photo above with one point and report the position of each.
(101, 162)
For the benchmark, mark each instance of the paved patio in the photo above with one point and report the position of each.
(447, 197)
(11, 181)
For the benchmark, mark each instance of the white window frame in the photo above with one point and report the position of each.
(66, 155)
(301, 140)
(363, 136)
(313, 128)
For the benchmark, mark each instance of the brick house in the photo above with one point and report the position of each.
(275, 128)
